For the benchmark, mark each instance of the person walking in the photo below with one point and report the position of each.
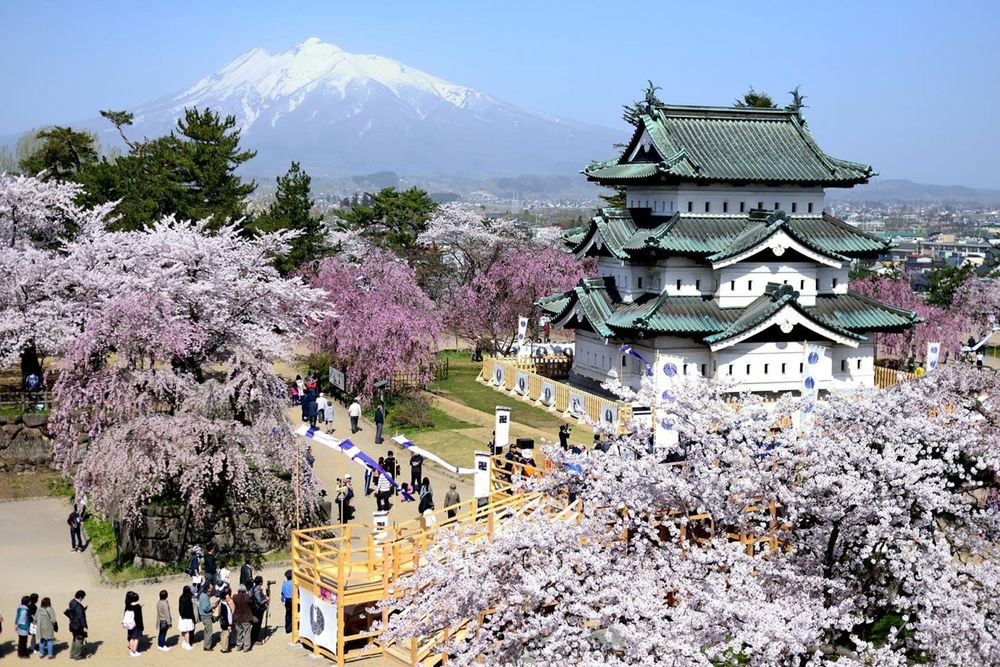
(383, 491)
(132, 622)
(243, 615)
(379, 423)
(416, 469)
(185, 611)
(426, 497)
(163, 621)
(22, 624)
(258, 605)
(354, 412)
(194, 565)
(451, 499)
(312, 408)
(45, 619)
(75, 521)
(286, 599)
(77, 614)
(328, 415)
(246, 574)
(206, 611)
(226, 620)
(32, 622)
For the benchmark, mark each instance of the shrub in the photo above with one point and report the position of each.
(412, 411)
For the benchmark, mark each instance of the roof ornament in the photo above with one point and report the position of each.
(775, 216)
(798, 102)
(631, 112)
(651, 100)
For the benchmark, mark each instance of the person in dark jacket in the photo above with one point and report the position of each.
(243, 617)
(379, 423)
(258, 605)
(77, 614)
(311, 408)
(33, 611)
(246, 574)
(185, 612)
(392, 467)
(416, 469)
(211, 566)
(133, 633)
(426, 497)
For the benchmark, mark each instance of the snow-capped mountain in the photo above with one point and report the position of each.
(340, 113)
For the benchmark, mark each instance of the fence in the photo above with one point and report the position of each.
(17, 403)
(519, 378)
(418, 380)
(887, 377)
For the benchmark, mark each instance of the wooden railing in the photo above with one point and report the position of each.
(887, 377)
(590, 406)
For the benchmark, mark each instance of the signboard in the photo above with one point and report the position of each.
(318, 620)
(521, 386)
(481, 478)
(933, 352)
(501, 427)
(576, 405)
(548, 395)
(337, 379)
(499, 375)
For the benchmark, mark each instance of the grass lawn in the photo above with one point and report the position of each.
(461, 386)
(33, 484)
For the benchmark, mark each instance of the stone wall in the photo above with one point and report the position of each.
(25, 442)
(160, 535)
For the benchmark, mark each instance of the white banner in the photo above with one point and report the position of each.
(405, 443)
(548, 395)
(576, 405)
(481, 479)
(521, 385)
(501, 427)
(933, 352)
(609, 415)
(337, 379)
(522, 330)
(499, 375)
(318, 620)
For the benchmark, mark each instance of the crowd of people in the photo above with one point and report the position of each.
(36, 624)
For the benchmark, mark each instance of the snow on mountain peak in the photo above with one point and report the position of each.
(259, 76)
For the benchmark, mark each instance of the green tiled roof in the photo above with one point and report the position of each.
(700, 317)
(726, 145)
(718, 237)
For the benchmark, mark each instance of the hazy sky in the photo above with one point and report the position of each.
(910, 87)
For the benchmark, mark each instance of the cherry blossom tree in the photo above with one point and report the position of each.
(886, 551)
(978, 299)
(166, 388)
(493, 300)
(36, 219)
(940, 325)
(382, 323)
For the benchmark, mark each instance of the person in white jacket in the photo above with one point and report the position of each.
(354, 412)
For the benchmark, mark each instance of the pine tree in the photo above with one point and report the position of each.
(391, 219)
(292, 209)
(62, 153)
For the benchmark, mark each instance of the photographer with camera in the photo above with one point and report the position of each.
(258, 605)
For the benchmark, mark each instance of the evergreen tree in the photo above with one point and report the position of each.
(391, 219)
(757, 100)
(61, 154)
(292, 209)
(944, 282)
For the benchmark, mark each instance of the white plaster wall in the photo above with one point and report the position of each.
(594, 356)
(853, 368)
(768, 366)
(827, 275)
(739, 284)
(725, 200)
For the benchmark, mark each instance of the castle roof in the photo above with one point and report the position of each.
(677, 144)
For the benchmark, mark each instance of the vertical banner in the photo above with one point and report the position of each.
(318, 620)
(521, 386)
(933, 352)
(609, 415)
(810, 383)
(576, 407)
(501, 427)
(499, 374)
(481, 478)
(522, 330)
(548, 395)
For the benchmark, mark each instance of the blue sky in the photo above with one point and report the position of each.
(911, 87)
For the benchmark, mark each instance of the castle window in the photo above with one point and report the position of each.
(743, 207)
(810, 207)
(760, 205)
(647, 204)
(765, 368)
(697, 284)
(624, 362)
(678, 283)
(843, 365)
(732, 285)
(748, 369)
(685, 371)
(749, 285)
(802, 284)
(639, 282)
(795, 207)
(783, 368)
(833, 283)
(725, 207)
(777, 205)
(859, 364)
(730, 369)
(708, 207)
(690, 206)
(703, 370)
(801, 368)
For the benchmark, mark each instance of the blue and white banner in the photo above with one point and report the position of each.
(521, 384)
(548, 395)
(627, 349)
(933, 352)
(522, 330)
(812, 355)
(351, 451)
(405, 443)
